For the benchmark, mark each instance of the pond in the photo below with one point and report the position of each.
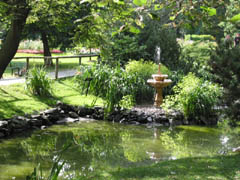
(99, 147)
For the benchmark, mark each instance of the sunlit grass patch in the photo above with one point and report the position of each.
(15, 100)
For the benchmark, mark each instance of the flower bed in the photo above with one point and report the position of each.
(30, 51)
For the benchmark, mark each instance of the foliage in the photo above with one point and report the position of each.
(202, 17)
(144, 70)
(203, 37)
(231, 25)
(155, 35)
(195, 58)
(127, 101)
(109, 83)
(127, 45)
(123, 48)
(225, 68)
(194, 97)
(38, 83)
(30, 44)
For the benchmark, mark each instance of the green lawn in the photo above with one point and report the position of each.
(66, 63)
(15, 100)
(222, 167)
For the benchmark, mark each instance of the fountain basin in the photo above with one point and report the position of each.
(159, 84)
(159, 77)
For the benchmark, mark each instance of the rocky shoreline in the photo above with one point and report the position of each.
(64, 113)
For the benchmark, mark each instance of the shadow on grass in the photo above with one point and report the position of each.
(75, 88)
(8, 109)
(218, 167)
(12, 105)
(6, 94)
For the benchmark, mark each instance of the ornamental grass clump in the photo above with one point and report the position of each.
(194, 97)
(111, 84)
(38, 84)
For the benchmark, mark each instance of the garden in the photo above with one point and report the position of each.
(103, 122)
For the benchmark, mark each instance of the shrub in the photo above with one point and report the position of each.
(38, 83)
(196, 37)
(194, 97)
(195, 58)
(155, 35)
(127, 45)
(112, 84)
(225, 68)
(122, 48)
(30, 44)
(144, 70)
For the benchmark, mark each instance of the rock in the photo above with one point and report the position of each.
(47, 122)
(18, 130)
(2, 135)
(54, 117)
(123, 120)
(5, 131)
(82, 111)
(35, 116)
(142, 119)
(134, 122)
(236, 149)
(73, 114)
(67, 120)
(51, 111)
(18, 124)
(85, 119)
(35, 122)
(43, 127)
(117, 118)
(3, 123)
(150, 119)
(20, 118)
(59, 103)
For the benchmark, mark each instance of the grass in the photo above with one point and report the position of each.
(222, 167)
(15, 100)
(66, 63)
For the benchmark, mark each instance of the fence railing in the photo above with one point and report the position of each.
(57, 60)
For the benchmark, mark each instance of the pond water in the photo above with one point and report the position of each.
(99, 147)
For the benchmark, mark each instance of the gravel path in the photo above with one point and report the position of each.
(61, 74)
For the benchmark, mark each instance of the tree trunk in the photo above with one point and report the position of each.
(46, 49)
(11, 43)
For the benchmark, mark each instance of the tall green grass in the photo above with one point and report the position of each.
(38, 83)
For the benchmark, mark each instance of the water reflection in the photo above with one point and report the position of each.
(99, 146)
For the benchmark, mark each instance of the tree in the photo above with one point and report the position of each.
(55, 23)
(15, 12)
(205, 15)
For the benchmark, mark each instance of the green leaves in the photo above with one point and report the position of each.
(235, 18)
(134, 29)
(140, 2)
(209, 10)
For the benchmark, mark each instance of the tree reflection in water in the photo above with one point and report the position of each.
(100, 147)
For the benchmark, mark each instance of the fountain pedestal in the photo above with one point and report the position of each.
(158, 98)
(159, 81)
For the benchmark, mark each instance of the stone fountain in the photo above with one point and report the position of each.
(159, 81)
